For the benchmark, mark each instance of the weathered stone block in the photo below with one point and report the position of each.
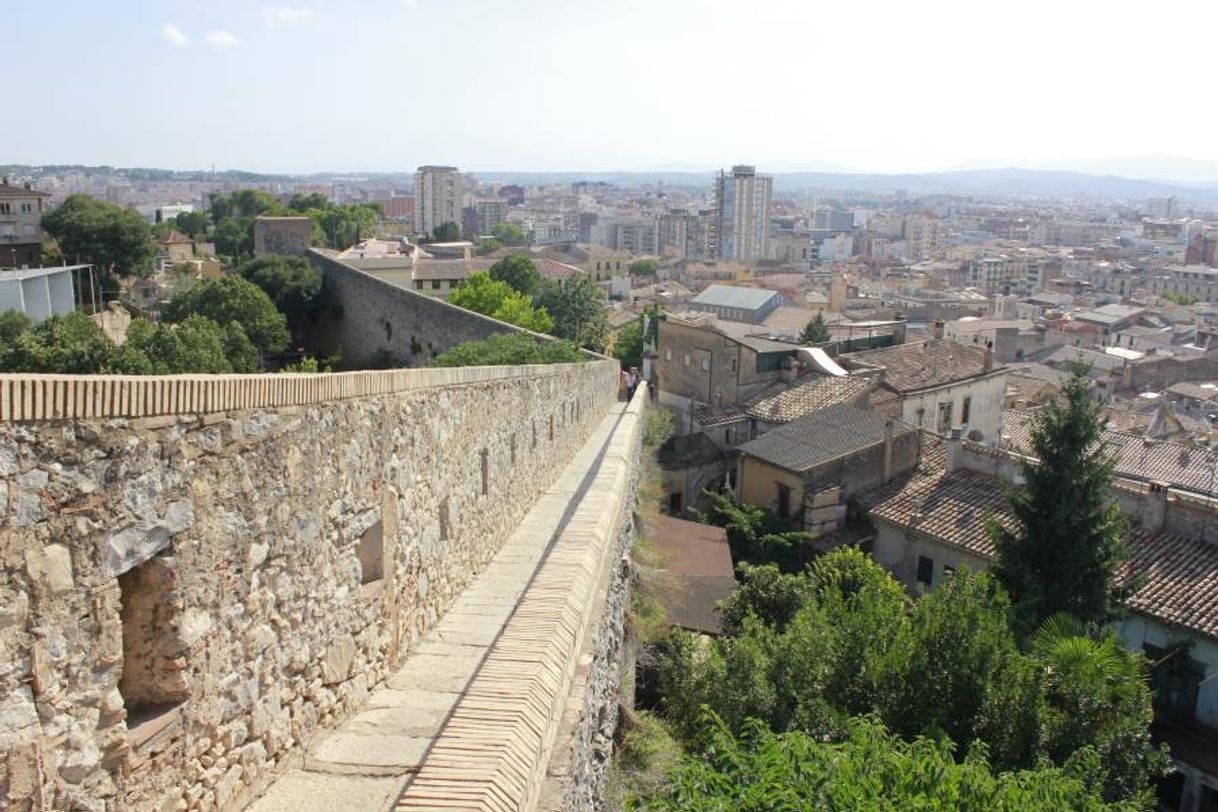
(336, 664)
(132, 546)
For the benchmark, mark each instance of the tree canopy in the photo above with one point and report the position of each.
(644, 267)
(1063, 553)
(519, 272)
(113, 239)
(293, 283)
(233, 299)
(508, 234)
(815, 331)
(577, 306)
(75, 345)
(628, 344)
(866, 769)
(509, 349)
(482, 294)
(815, 651)
(446, 232)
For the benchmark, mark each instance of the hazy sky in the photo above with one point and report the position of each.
(615, 84)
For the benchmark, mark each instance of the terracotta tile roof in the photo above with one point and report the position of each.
(1180, 579)
(950, 508)
(553, 269)
(710, 416)
(824, 435)
(175, 237)
(806, 395)
(1179, 574)
(937, 362)
(1138, 458)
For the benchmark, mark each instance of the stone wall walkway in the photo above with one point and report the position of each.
(469, 720)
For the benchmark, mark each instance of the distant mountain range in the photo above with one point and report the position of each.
(1032, 183)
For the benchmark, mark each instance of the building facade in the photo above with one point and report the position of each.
(742, 209)
(21, 209)
(440, 194)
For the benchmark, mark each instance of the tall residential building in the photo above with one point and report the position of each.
(21, 210)
(440, 193)
(742, 209)
(687, 234)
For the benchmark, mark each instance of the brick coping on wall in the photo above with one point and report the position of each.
(43, 397)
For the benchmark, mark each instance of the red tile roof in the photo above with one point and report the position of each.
(1178, 574)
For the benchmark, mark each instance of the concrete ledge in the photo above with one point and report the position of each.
(36, 397)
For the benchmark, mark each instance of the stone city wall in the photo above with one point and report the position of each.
(185, 599)
(371, 319)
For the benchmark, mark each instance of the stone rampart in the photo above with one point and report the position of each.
(196, 582)
(371, 319)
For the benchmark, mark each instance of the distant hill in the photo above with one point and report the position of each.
(1038, 183)
(983, 182)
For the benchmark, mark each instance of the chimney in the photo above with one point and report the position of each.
(937, 329)
(955, 450)
(887, 471)
(989, 356)
(1154, 512)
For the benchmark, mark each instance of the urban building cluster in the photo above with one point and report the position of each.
(865, 366)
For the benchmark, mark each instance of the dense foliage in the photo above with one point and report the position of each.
(577, 306)
(865, 769)
(113, 239)
(509, 349)
(628, 345)
(644, 267)
(518, 272)
(334, 226)
(812, 652)
(1065, 549)
(293, 283)
(496, 299)
(815, 331)
(755, 534)
(233, 299)
(73, 344)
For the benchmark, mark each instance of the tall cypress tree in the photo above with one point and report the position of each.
(1066, 545)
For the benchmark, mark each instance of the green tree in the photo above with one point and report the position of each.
(764, 592)
(756, 535)
(194, 345)
(302, 203)
(1065, 547)
(644, 267)
(488, 246)
(448, 231)
(628, 345)
(234, 237)
(344, 226)
(496, 299)
(955, 667)
(508, 234)
(518, 272)
(815, 331)
(869, 769)
(1097, 696)
(193, 224)
(577, 306)
(13, 323)
(231, 298)
(509, 349)
(293, 283)
(113, 239)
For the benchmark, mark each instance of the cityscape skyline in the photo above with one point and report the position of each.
(390, 85)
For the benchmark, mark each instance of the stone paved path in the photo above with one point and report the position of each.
(368, 761)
